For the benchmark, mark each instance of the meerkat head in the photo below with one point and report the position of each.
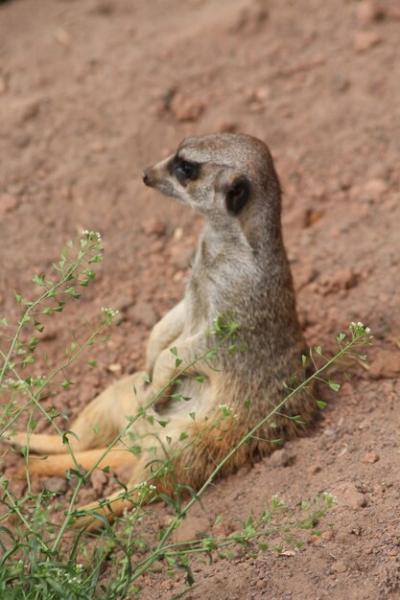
(226, 177)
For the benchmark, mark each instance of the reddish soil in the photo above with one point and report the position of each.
(91, 92)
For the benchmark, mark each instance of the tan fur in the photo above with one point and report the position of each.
(240, 272)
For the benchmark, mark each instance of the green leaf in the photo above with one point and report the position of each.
(334, 386)
(38, 326)
(71, 291)
(39, 280)
(321, 404)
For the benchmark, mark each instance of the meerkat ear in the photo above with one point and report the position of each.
(238, 195)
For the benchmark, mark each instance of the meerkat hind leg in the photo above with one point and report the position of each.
(58, 465)
(97, 425)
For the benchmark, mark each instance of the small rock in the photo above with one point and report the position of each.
(191, 528)
(102, 7)
(22, 139)
(122, 303)
(99, 480)
(97, 146)
(339, 567)
(8, 203)
(62, 37)
(30, 110)
(343, 279)
(57, 485)
(364, 40)
(182, 259)
(315, 469)
(287, 553)
(144, 313)
(347, 494)
(227, 127)
(370, 458)
(326, 536)
(303, 275)
(251, 19)
(154, 227)
(281, 458)
(368, 12)
(312, 216)
(114, 368)
(393, 11)
(178, 234)
(3, 85)
(184, 108)
(386, 363)
(374, 189)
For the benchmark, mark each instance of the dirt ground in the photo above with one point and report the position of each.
(93, 91)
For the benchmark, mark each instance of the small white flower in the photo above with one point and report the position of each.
(110, 313)
(93, 236)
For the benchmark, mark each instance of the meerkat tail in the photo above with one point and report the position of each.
(59, 464)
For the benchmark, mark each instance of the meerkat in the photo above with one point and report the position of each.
(240, 272)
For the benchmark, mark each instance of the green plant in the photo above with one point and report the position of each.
(41, 558)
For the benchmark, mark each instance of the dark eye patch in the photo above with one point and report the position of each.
(238, 195)
(184, 170)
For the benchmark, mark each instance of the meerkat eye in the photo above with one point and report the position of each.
(184, 169)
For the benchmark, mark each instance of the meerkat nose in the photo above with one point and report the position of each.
(146, 178)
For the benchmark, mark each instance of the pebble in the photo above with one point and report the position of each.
(114, 368)
(251, 19)
(3, 85)
(102, 7)
(181, 259)
(339, 567)
(8, 203)
(386, 363)
(343, 279)
(227, 126)
(154, 226)
(315, 469)
(364, 40)
(98, 479)
(370, 458)
(62, 37)
(368, 12)
(281, 458)
(144, 313)
(57, 485)
(184, 108)
(348, 495)
(374, 189)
